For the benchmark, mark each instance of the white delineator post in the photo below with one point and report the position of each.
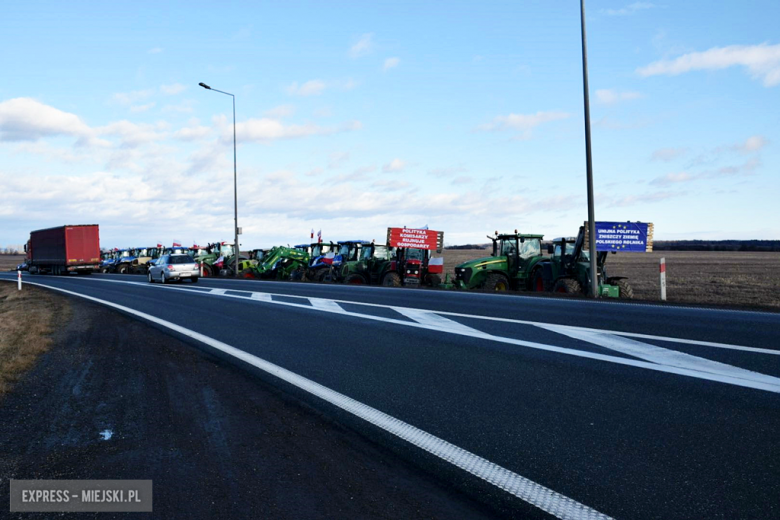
(662, 273)
(19, 279)
(200, 265)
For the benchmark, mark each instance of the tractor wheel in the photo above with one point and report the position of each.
(355, 279)
(207, 271)
(626, 292)
(496, 282)
(567, 286)
(123, 269)
(434, 280)
(322, 275)
(539, 283)
(392, 280)
(104, 270)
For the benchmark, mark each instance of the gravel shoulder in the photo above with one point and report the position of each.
(217, 441)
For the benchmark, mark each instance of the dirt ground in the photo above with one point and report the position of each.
(28, 318)
(9, 262)
(732, 278)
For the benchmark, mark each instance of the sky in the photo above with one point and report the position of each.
(466, 117)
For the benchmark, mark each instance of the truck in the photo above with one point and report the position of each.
(64, 249)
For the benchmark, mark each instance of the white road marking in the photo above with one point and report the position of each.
(218, 292)
(540, 496)
(712, 344)
(434, 321)
(264, 297)
(659, 355)
(765, 382)
(326, 305)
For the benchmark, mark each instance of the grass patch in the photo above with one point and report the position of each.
(28, 319)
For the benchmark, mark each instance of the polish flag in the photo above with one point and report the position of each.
(319, 236)
(176, 244)
(436, 265)
(312, 233)
(328, 258)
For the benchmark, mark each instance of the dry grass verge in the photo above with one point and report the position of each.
(27, 320)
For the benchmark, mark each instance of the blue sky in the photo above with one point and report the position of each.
(465, 117)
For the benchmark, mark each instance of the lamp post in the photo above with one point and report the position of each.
(237, 250)
(589, 162)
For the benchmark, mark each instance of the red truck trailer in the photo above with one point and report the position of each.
(64, 249)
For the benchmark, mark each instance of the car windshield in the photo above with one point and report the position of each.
(181, 259)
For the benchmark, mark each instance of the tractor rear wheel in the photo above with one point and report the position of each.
(539, 283)
(626, 292)
(392, 280)
(567, 286)
(355, 279)
(123, 269)
(496, 282)
(434, 280)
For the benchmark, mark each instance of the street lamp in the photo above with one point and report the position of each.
(237, 250)
(589, 162)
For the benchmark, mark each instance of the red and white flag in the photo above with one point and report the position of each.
(312, 233)
(319, 236)
(176, 244)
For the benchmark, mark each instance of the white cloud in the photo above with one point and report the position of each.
(266, 129)
(668, 154)
(155, 50)
(172, 90)
(25, 119)
(312, 87)
(391, 63)
(128, 98)
(336, 159)
(463, 179)
(761, 61)
(746, 169)
(611, 97)
(522, 123)
(142, 108)
(447, 172)
(280, 111)
(753, 144)
(192, 133)
(396, 165)
(629, 9)
(362, 47)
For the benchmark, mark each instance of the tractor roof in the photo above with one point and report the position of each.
(362, 242)
(519, 235)
(567, 239)
(302, 245)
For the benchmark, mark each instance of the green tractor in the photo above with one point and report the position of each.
(346, 251)
(278, 264)
(515, 260)
(567, 271)
(370, 266)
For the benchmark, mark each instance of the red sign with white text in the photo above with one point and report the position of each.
(415, 238)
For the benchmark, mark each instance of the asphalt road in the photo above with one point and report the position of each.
(573, 406)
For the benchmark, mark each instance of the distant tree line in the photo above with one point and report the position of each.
(716, 245)
(684, 245)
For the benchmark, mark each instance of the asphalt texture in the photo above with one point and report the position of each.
(628, 442)
(216, 441)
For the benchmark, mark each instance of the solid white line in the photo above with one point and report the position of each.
(660, 355)
(712, 344)
(540, 496)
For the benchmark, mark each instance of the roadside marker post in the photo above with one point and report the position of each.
(19, 279)
(662, 272)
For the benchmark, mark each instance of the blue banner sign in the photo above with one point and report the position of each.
(629, 237)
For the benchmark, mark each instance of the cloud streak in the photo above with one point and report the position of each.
(761, 61)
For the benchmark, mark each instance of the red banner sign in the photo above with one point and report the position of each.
(415, 238)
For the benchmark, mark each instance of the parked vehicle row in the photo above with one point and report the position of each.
(407, 258)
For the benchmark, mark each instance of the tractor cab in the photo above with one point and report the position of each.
(303, 248)
(349, 250)
(512, 264)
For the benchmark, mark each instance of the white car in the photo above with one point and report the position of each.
(168, 268)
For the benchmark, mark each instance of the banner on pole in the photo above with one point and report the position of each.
(628, 237)
(416, 238)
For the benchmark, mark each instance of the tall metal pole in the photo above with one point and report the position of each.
(589, 160)
(237, 250)
(235, 192)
